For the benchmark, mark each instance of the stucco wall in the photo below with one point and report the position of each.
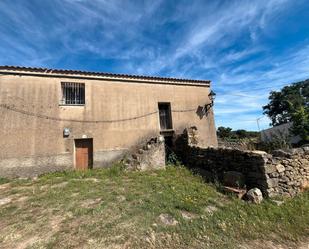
(280, 132)
(24, 135)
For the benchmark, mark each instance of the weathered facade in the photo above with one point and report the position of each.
(51, 119)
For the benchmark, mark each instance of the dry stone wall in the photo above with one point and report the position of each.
(286, 173)
(281, 173)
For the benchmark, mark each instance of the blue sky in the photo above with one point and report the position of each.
(246, 48)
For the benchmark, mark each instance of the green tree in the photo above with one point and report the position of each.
(279, 109)
(224, 132)
(242, 134)
(300, 118)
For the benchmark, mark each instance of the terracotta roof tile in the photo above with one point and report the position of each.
(89, 73)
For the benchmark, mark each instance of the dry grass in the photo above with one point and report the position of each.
(110, 208)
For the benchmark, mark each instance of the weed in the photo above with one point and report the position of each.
(112, 208)
(3, 180)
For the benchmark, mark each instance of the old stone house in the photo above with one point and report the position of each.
(60, 119)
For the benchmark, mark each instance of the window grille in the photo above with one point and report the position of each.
(73, 93)
(165, 116)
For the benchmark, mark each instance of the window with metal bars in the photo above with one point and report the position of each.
(73, 93)
(165, 116)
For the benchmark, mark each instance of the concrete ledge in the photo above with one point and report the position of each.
(35, 165)
(102, 159)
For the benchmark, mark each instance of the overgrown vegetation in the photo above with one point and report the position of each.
(300, 126)
(238, 138)
(228, 134)
(111, 208)
(3, 180)
(279, 140)
(291, 104)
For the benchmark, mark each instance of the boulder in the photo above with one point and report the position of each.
(255, 195)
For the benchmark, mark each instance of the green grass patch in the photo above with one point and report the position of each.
(112, 207)
(3, 180)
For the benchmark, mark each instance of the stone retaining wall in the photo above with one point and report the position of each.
(287, 171)
(282, 173)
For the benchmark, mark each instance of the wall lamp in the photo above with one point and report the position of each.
(211, 96)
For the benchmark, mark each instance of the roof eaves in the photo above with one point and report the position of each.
(102, 74)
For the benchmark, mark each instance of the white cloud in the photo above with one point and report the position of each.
(220, 41)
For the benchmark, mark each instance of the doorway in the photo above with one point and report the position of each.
(83, 154)
(169, 147)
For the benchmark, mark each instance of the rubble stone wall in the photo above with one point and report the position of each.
(282, 173)
(147, 156)
(287, 172)
(279, 174)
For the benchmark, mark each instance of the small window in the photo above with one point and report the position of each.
(165, 116)
(73, 93)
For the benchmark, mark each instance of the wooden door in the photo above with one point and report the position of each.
(83, 154)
